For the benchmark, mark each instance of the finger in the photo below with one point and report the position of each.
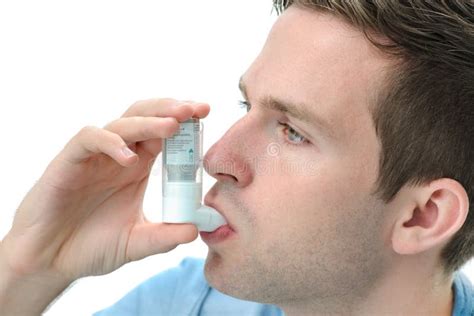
(160, 108)
(181, 110)
(151, 147)
(201, 110)
(92, 140)
(137, 129)
(153, 238)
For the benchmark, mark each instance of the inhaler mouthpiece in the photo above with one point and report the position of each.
(208, 219)
(182, 180)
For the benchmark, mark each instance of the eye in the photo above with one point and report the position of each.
(244, 105)
(291, 136)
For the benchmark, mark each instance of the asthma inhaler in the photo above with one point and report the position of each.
(182, 179)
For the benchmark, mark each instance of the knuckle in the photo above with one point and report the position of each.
(169, 127)
(140, 103)
(157, 124)
(87, 131)
(116, 140)
(96, 135)
(158, 103)
(165, 101)
(135, 105)
(148, 130)
(112, 125)
(162, 102)
(135, 120)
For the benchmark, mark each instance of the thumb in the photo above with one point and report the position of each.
(152, 238)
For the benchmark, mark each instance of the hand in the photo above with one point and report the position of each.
(84, 215)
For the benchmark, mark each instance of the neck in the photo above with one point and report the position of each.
(414, 287)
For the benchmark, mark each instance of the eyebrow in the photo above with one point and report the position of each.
(299, 112)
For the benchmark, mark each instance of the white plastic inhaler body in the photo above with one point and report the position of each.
(182, 180)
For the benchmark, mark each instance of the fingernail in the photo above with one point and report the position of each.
(127, 152)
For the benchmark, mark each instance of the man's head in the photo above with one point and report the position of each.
(355, 155)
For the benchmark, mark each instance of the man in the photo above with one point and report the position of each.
(346, 186)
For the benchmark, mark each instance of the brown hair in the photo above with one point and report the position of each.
(424, 116)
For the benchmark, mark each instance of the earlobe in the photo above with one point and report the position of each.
(432, 214)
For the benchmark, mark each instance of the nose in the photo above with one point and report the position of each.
(229, 159)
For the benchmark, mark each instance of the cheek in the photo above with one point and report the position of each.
(300, 205)
(284, 208)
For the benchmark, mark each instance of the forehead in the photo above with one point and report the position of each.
(317, 59)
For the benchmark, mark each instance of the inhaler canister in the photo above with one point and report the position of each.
(182, 179)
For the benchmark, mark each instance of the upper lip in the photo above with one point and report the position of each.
(209, 202)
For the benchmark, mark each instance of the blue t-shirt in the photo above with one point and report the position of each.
(184, 291)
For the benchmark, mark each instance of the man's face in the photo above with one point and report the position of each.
(300, 198)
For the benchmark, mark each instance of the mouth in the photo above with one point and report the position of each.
(222, 233)
(210, 203)
(218, 236)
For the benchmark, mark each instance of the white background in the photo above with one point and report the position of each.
(67, 64)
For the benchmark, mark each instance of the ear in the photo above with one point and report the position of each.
(429, 216)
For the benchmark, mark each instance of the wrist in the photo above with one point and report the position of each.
(27, 293)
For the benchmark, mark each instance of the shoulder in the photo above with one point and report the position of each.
(183, 290)
(160, 293)
(463, 295)
(188, 272)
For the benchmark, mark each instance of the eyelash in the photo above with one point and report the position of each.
(244, 105)
(247, 106)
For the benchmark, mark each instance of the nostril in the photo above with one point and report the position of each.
(224, 176)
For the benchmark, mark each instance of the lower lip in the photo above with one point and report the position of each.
(222, 233)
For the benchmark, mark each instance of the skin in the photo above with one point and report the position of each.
(310, 235)
(90, 198)
(317, 241)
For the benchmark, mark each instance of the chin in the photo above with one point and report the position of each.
(220, 274)
(227, 276)
(214, 269)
